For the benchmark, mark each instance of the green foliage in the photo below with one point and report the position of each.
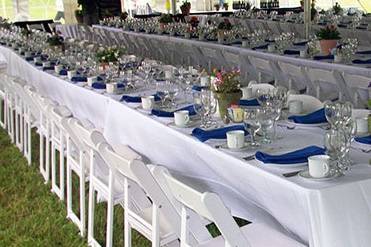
(165, 19)
(55, 40)
(225, 25)
(337, 9)
(109, 55)
(330, 32)
(226, 82)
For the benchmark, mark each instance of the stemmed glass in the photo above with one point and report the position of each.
(265, 117)
(252, 124)
(335, 144)
(209, 104)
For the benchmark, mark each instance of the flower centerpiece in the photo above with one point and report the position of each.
(56, 42)
(164, 20)
(108, 55)
(223, 26)
(328, 37)
(185, 8)
(226, 88)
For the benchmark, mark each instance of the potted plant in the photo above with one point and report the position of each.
(217, 6)
(185, 8)
(165, 19)
(328, 37)
(337, 9)
(108, 55)
(225, 6)
(226, 88)
(223, 26)
(79, 16)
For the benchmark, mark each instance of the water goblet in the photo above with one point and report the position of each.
(252, 125)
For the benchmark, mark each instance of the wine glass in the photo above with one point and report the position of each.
(252, 124)
(335, 144)
(266, 118)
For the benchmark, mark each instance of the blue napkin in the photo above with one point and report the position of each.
(360, 61)
(323, 57)
(63, 72)
(303, 43)
(29, 58)
(261, 47)
(342, 25)
(204, 135)
(361, 28)
(312, 118)
(102, 85)
(79, 79)
(364, 140)
(364, 52)
(160, 113)
(48, 68)
(295, 157)
(249, 102)
(291, 52)
(136, 99)
(39, 64)
(198, 87)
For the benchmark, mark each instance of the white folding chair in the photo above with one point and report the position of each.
(265, 69)
(310, 103)
(296, 76)
(58, 143)
(257, 86)
(9, 105)
(78, 163)
(211, 207)
(232, 59)
(359, 88)
(329, 85)
(213, 57)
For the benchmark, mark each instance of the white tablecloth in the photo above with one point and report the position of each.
(329, 214)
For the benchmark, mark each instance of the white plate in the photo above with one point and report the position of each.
(305, 174)
(291, 123)
(287, 165)
(224, 146)
(190, 124)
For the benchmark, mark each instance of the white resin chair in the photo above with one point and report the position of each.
(310, 103)
(265, 69)
(329, 85)
(295, 76)
(213, 57)
(128, 182)
(211, 207)
(9, 106)
(358, 87)
(58, 143)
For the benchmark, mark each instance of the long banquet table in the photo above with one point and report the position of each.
(335, 213)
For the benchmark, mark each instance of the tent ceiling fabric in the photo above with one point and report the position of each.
(20, 10)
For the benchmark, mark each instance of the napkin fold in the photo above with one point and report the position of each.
(364, 140)
(221, 133)
(291, 52)
(360, 61)
(295, 157)
(161, 113)
(311, 118)
(249, 102)
(79, 79)
(323, 57)
(198, 88)
(261, 47)
(136, 99)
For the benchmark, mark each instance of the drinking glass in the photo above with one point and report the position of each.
(266, 119)
(335, 144)
(252, 124)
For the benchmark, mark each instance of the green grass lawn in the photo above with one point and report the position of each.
(38, 9)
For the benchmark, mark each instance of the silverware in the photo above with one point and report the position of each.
(291, 174)
(247, 158)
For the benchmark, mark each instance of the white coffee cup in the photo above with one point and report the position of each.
(37, 59)
(362, 125)
(71, 73)
(235, 139)
(319, 166)
(245, 43)
(46, 64)
(58, 68)
(181, 118)
(91, 80)
(303, 53)
(296, 106)
(271, 48)
(111, 87)
(204, 81)
(247, 92)
(168, 74)
(148, 102)
(27, 54)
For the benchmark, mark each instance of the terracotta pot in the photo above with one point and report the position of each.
(225, 100)
(327, 45)
(217, 8)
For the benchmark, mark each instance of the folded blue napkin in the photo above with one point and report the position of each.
(102, 85)
(323, 57)
(39, 64)
(364, 140)
(161, 113)
(312, 118)
(361, 28)
(303, 43)
(291, 52)
(78, 78)
(342, 25)
(198, 88)
(63, 72)
(29, 58)
(204, 135)
(364, 52)
(295, 157)
(136, 99)
(261, 47)
(249, 102)
(48, 68)
(360, 61)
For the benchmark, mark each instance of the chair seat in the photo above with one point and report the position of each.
(258, 235)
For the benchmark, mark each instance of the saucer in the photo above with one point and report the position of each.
(305, 174)
(224, 146)
(190, 124)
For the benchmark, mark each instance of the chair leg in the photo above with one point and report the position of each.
(91, 213)
(110, 209)
(82, 203)
(61, 167)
